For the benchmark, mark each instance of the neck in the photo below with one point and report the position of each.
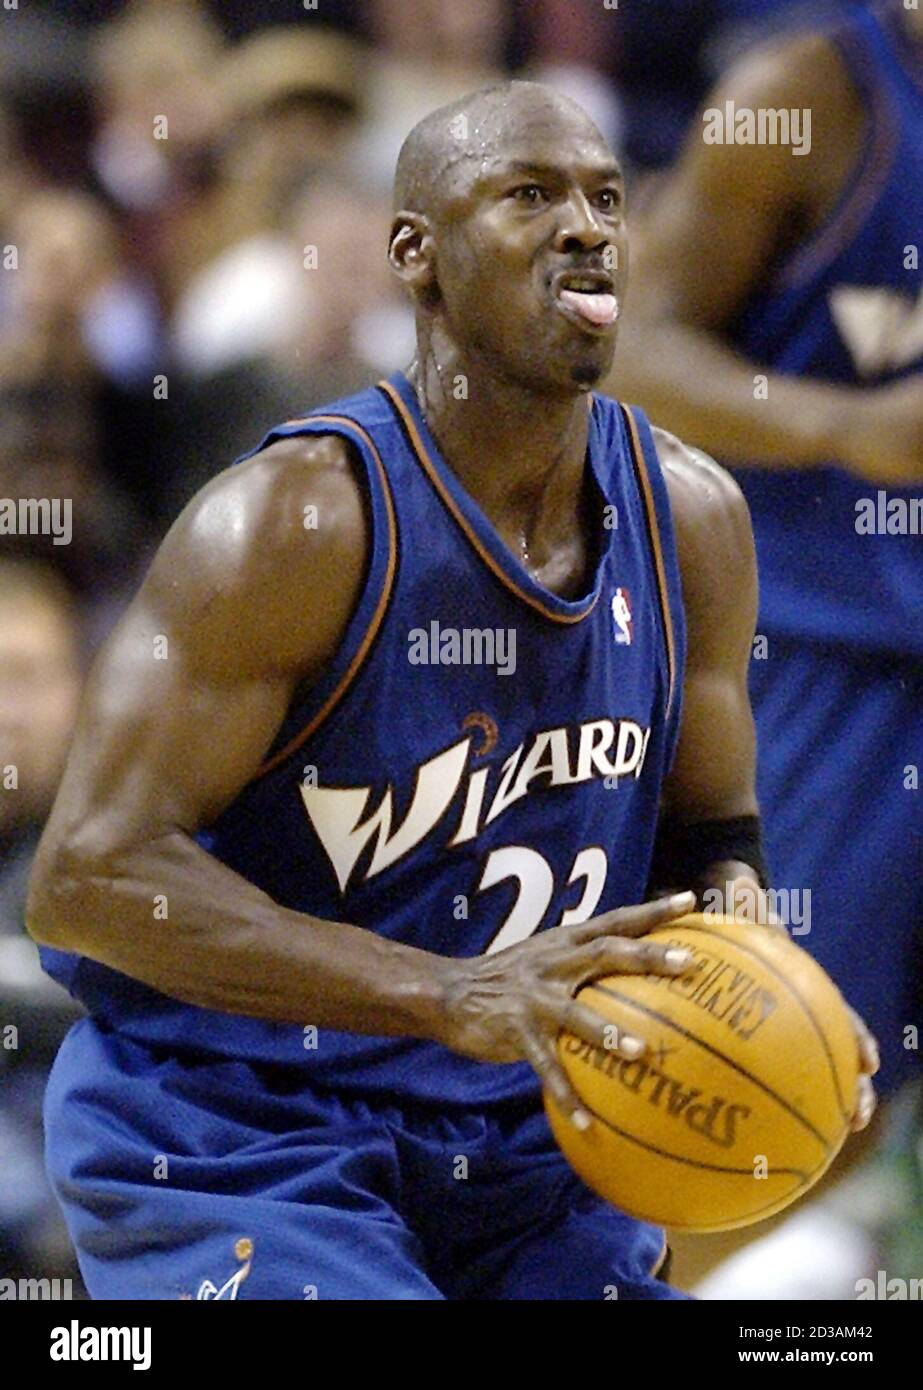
(519, 453)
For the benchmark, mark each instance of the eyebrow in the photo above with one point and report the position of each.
(604, 172)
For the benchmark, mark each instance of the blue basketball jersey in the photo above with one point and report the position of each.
(848, 307)
(482, 760)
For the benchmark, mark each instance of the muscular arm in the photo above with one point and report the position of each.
(242, 603)
(722, 220)
(714, 771)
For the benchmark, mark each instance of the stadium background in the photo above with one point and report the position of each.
(166, 169)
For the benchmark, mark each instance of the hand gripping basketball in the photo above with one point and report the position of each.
(745, 1094)
(513, 1005)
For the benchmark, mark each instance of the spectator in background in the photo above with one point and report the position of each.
(40, 673)
(293, 97)
(49, 450)
(72, 311)
(573, 48)
(46, 94)
(17, 182)
(239, 18)
(39, 685)
(345, 325)
(428, 52)
(156, 64)
(79, 333)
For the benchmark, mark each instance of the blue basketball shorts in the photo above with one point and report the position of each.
(201, 1178)
(839, 779)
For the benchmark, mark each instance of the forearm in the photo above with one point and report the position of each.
(697, 387)
(721, 860)
(177, 919)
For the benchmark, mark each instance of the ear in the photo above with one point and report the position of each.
(412, 253)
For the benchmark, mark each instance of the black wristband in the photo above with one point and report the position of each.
(683, 852)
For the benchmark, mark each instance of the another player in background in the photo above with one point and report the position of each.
(777, 320)
(302, 862)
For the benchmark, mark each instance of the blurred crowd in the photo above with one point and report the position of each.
(194, 204)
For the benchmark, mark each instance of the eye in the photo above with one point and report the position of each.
(608, 199)
(531, 193)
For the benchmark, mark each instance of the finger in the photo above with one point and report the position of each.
(543, 1057)
(869, 1057)
(613, 955)
(635, 921)
(866, 1104)
(590, 1027)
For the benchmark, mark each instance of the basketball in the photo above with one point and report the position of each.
(743, 1096)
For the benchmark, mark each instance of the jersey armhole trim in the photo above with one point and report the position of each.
(868, 176)
(365, 644)
(656, 550)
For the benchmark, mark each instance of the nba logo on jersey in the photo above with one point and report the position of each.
(621, 617)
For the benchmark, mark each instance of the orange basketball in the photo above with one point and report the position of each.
(744, 1095)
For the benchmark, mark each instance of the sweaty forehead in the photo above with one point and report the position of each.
(530, 112)
(519, 125)
(546, 132)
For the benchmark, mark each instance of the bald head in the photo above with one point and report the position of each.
(448, 147)
(497, 197)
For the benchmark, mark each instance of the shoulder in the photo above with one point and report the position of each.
(714, 537)
(799, 71)
(269, 486)
(297, 502)
(792, 66)
(706, 502)
(272, 549)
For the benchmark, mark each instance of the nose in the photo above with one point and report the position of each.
(580, 228)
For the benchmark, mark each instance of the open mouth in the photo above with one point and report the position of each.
(588, 298)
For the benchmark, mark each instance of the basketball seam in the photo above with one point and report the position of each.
(771, 1208)
(729, 1061)
(777, 1204)
(692, 1162)
(710, 931)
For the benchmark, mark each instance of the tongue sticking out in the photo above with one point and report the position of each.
(597, 308)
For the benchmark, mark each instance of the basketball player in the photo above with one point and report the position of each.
(796, 279)
(370, 727)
